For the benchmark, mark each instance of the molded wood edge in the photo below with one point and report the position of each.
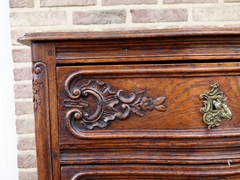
(64, 36)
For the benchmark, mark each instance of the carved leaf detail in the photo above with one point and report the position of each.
(101, 124)
(39, 81)
(137, 110)
(159, 101)
(37, 98)
(160, 108)
(138, 98)
(108, 116)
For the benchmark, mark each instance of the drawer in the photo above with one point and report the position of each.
(158, 108)
(149, 172)
(144, 101)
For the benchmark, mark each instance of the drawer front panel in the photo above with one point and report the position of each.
(165, 156)
(146, 50)
(146, 101)
(150, 172)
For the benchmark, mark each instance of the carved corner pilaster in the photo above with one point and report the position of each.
(42, 117)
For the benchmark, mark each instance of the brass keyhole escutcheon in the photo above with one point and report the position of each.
(215, 107)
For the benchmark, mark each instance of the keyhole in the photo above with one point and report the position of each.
(214, 107)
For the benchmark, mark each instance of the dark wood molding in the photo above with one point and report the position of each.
(134, 34)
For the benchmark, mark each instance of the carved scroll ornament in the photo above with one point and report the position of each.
(215, 107)
(107, 105)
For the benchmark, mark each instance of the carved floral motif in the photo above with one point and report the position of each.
(105, 105)
(36, 85)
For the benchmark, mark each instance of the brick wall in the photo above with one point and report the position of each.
(92, 15)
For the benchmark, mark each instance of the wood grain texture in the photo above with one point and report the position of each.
(194, 156)
(145, 171)
(145, 50)
(73, 36)
(42, 125)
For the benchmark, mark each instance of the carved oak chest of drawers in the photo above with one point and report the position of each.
(156, 104)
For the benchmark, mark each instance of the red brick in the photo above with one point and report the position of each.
(188, 1)
(21, 55)
(27, 159)
(23, 90)
(22, 74)
(232, 25)
(40, 18)
(51, 3)
(216, 14)
(22, 108)
(26, 142)
(25, 126)
(17, 34)
(232, 1)
(124, 28)
(127, 2)
(28, 174)
(99, 17)
(21, 3)
(159, 15)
